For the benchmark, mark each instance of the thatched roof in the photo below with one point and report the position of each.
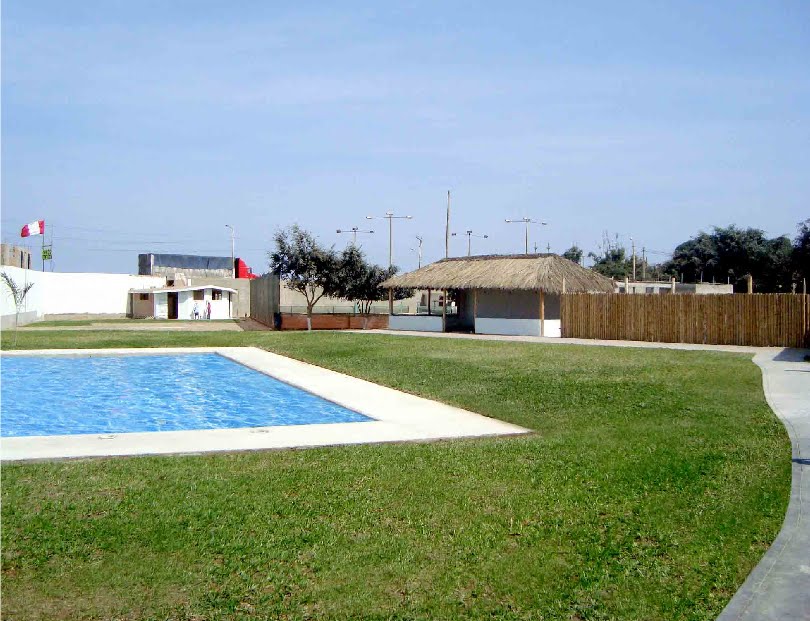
(532, 272)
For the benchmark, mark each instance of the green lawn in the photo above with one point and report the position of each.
(653, 483)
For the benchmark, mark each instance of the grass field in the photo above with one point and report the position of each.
(653, 483)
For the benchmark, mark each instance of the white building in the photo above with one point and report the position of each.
(181, 302)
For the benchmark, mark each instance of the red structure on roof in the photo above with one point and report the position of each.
(243, 271)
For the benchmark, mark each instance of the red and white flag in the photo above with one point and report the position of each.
(35, 228)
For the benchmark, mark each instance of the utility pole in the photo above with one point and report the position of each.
(643, 263)
(548, 247)
(633, 244)
(233, 251)
(527, 222)
(354, 231)
(447, 229)
(470, 235)
(389, 215)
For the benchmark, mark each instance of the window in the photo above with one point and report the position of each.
(199, 294)
(143, 296)
(169, 283)
(216, 294)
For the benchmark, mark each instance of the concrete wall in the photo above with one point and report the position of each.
(509, 327)
(553, 328)
(8, 321)
(289, 298)
(242, 286)
(220, 309)
(518, 327)
(517, 313)
(185, 305)
(161, 306)
(664, 287)
(264, 298)
(508, 304)
(706, 288)
(142, 309)
(420, 323)
(60, 293)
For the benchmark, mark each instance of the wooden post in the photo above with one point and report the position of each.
(626, 285)
(672, 285)
(804, 286)
(429, 302)
(390, 301)
(542, 313)
(475, 307)
(563, 287)
(444, 311)
(750, 281)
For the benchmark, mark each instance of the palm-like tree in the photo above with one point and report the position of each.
(18, 294)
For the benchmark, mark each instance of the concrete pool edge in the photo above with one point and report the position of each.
(398, 416)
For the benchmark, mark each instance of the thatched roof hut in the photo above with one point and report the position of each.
(522, 272)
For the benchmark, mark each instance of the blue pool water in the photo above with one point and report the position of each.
(56, 395)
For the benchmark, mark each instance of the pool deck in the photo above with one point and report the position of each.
(398, 416)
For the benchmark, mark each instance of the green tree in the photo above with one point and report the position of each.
(732, 254)
(305, 266)
(612, 260)
(800, 259)
(574, 253)
(18, 294)
(360, 280)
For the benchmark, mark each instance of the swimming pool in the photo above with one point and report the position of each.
(101, 394)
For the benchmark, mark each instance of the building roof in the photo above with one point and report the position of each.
(528, 272)
(176, 289)
(183, 261)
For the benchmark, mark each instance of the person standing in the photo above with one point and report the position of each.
(208, 310)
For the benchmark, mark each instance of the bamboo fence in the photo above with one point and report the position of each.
(762, 319)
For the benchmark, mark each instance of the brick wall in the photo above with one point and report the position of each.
(334, 322)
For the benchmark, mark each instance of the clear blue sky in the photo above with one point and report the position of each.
(148, 126)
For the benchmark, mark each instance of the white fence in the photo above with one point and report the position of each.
(59, 293)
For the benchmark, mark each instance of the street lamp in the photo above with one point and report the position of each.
(354, 231)
(527, 222)
(389, 215)
(470, 235)
(233, 253)
(419, 250)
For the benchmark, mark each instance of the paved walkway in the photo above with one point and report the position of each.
(149, 326)
(779, 586)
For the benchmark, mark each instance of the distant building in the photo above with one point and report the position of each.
(181, 302)
(664, 287)
(15, 256)
(188, 270)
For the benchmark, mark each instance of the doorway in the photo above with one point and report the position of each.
(172, 300)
